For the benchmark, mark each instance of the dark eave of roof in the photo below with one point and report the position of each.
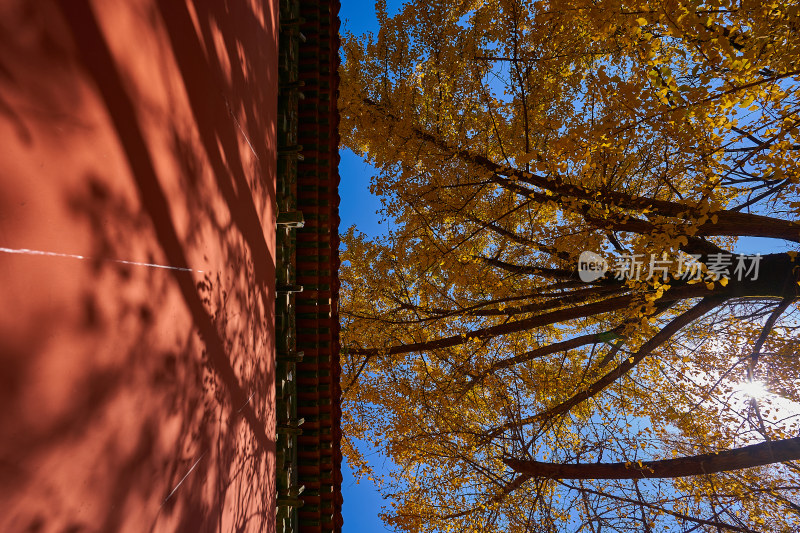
(312, 190)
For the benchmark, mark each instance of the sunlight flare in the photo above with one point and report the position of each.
(753, 389)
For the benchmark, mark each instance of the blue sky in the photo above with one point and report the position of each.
(362, 502)
(358, 207)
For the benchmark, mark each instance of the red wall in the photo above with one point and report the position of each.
(137, 398)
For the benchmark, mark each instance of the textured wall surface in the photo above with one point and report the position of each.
(137, 245)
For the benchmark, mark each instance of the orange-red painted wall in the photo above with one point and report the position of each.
(137, 398)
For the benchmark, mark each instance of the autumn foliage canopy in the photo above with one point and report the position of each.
(510, 137)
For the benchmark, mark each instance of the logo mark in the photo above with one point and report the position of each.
(591, 266)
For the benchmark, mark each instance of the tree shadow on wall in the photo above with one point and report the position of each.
(176, 421)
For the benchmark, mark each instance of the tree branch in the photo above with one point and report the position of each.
(761, 454)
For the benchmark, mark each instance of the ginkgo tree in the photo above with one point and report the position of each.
(513, 388)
